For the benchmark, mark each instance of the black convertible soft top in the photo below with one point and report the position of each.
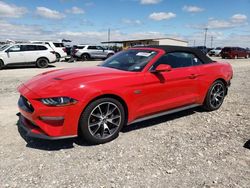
(195, 51)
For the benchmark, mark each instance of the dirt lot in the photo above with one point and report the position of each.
(187, 149)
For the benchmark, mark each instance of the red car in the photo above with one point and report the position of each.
(234, 53)
(132, 86)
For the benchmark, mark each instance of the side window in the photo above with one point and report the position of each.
(15, 48)
(28, 47)
(99, 48)
(41, 47)
(92, 48)
(178, 60)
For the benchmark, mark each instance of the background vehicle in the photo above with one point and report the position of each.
(248, 51)
(58, 47)
(38, 54)
(215, 51)
(234, 53)
(87, 52)
(131, 86)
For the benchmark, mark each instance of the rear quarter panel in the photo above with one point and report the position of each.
(209, 73)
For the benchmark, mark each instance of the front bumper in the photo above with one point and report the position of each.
(47, 122)
(32, 131)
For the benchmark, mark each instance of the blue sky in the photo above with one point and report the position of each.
(87, 21)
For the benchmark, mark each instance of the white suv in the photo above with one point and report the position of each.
(93, 52)
(58, 47)
(38, 54)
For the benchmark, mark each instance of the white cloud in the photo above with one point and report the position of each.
(147, 2)
(75, 10)
(132, 22)
(48, 13)
(158, 16)
(239, 18)
(192, 9)
(11, 10)
(219, 39)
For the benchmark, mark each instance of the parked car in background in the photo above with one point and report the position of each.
(58, 47)
(86, 52)
(215, 51)
(38, 54)
(75, 48)
(234, 53)
(131, 86)
(248, 51)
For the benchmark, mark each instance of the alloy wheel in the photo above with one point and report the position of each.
(217, 95)
(104, 120)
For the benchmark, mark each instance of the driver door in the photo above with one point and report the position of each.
(168, 90)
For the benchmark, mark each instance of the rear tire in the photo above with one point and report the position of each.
(215, 96)
(1, 64)
(102, 121)
(58, 57)
(42, 63)
(109, 55)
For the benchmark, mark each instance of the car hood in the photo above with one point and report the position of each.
(60, 81)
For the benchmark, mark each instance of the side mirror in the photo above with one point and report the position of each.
(162, 68)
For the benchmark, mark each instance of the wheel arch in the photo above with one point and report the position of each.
(42, 58)
(86, 54)
(114, 96)
(224, 82)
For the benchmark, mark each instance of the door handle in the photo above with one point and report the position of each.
(192, 76)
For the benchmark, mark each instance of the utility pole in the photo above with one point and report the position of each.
(212, 40)
(205, 40)
(108, 34)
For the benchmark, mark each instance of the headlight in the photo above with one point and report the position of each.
(58, 101)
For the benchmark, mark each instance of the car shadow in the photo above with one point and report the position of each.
(55, 145)
(10, 67)
(50, 145)
(247, 145)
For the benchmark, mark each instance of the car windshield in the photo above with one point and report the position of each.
(130, 60)
(4, 47)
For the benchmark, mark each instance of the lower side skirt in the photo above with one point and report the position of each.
(164, 113)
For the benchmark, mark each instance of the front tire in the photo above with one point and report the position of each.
(42, 63)
(102, 121)
(85, 57)
(215, 96)
(1, 64)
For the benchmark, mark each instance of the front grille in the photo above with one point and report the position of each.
(24, 104)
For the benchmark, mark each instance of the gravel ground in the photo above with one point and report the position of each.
(186, 149)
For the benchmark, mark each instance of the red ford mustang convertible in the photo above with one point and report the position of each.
(131, 86)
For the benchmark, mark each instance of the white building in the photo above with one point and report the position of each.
(147, 42)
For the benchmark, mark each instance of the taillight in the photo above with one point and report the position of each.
(74, 51)
(64, 49)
